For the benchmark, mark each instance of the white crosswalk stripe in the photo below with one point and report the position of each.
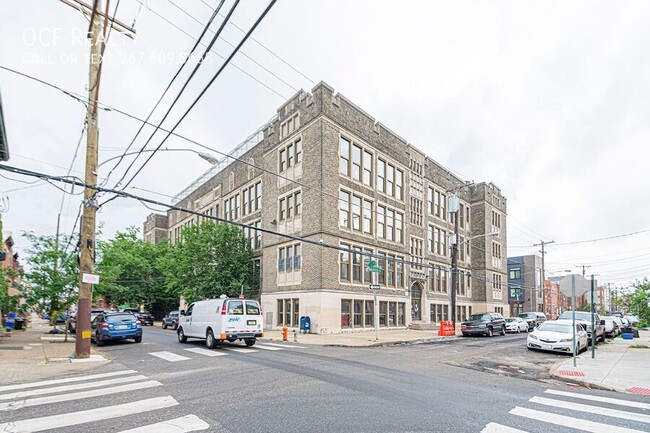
(602, 419)
(169, 356)
(222, 350)
(206, 352)
(266, 347)
(48, 399)
(240, 350)
(284, 346)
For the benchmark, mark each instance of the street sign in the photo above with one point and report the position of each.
(375, 287)
(372, 266)
(90, 278)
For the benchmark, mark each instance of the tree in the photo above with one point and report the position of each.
(639, 300)
(131, 272)
(212, 260)
(54, 274)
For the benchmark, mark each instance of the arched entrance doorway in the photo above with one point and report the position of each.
(416, 301)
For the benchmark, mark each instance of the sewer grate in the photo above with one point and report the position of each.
(570, 373)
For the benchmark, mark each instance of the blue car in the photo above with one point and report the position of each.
(116, 326)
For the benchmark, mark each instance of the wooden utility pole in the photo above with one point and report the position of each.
(542, 243)
(87, 239)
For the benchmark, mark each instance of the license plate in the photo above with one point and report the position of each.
(251, 322)
(122, 326)
(547, 346)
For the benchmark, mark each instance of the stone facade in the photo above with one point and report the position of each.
(344, 214)
(155, 228)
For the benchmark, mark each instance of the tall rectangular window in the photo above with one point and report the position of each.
(369, 313)
(381, 222)
(283, 209)
(298, 151)
(430, 201)
(290, 156)
(258, 195)
(344, 157)
(358, 314)
(367, 216)
(344, 209)
(356, 265)
(281, 260)
(283, 160)
(290, 206)
(298, 196)
(381, 175)
(367, 168)
(344, 259)
(390, 180)
(367, 275)
(430, 239)
(399, 184)
(356, 213)
(289, 261)
(390, 224)
(399, 227)
(246, 209)
(356, 162)
(297, 256)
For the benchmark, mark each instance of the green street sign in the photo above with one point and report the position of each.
(372, 266)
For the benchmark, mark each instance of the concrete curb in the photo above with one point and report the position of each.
(583, 382)
(397, 343)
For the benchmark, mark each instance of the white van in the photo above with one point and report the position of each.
(216, 320)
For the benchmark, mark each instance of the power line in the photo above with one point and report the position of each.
(180, 92)
(232, 45)
(267, 49)
(137, 134)
(205, 89)
(604, 239)
(216, 53)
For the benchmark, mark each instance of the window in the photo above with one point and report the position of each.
(344, 209)
(356, 162)
(355, 212)
(369, 313)
(496, 286)
(383, 313)
(439, 312)
(346, 309)
(290, 125)
(290, 156)
(390, 179)
(367, 216)
(440, 241)
(356, 265)
(430, 239)
(392, 313)
(390, 224)
(344, 157)
(289, 258)
(358, 314)
(381, 222)
(399, 184)
(430, 201)
(280, 312)
(258, 196)
(496, 254)
(344, 264)
(381, 175)
(290, 206)
(440, 205)
(515, 273)
(252, 308)
(254, 235)
(496, 220)
(296, 312)
(236, 307)
(438, 280)
(367, 168)
(416, 248)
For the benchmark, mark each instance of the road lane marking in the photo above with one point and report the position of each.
(240, 350)
(85, 416)
(265, 347)
(64, 388)
(284, 346)
(178, 425)
(205, 352)
(617, 401)
(570, 422)
(19, 404)
(169, 356)
(498, 428)
(66, 380)
(595, 410)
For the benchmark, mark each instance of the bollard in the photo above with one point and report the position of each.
(285, 333)
(295, 336)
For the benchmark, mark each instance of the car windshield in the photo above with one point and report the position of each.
(511, 319)
(555, 327)
(120, 318)
(580, 315)
(483, 317)
(527, 315)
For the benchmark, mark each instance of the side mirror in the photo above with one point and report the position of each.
(584, 327)
(602, 322)
(182, 312)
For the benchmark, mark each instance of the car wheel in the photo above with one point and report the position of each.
(210, 342)
(99, 341)
(503, 330)
(164, 325)
(175, 326)
(181, 336)
(490, 333)
(250, 342)
(138, 339)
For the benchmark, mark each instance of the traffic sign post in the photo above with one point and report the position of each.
(375, 288)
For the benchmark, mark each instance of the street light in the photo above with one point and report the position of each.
(211, 159)
(454, 267)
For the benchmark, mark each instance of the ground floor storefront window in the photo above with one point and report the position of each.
(288, 312)
(439, 313)
(357, 313)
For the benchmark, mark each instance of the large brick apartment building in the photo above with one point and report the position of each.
(325, 170)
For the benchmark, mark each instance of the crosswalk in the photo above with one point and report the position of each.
(44, 405)
(579, 411)
(223, 350)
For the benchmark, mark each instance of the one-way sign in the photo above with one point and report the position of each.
(375, 287)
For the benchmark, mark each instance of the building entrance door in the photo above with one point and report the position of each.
(416, 302)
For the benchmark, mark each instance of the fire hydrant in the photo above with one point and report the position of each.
(285, 333)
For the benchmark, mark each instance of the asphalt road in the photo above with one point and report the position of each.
(460, 386)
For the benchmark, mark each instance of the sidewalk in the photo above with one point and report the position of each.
(387, 337)
(33, 354)
(617, 366)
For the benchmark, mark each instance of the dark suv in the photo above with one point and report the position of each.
(171, 320)
(145, 318)
(484, 324)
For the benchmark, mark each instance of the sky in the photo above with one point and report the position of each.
(546, 99)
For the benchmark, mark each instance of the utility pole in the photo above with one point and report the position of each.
(584, 269)
(543, 244)
(454, 260)
(593, 328)
(87, 235)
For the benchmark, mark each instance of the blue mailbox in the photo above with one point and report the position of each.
(305, 324)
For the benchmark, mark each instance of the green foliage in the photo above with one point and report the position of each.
(53, 276)
(212, 260)
(639, 299)
(131, 271)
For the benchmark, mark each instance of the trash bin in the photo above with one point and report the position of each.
(18, 324)
(305, 324)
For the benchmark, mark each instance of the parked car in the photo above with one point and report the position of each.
(72, 324)
(584, 317)
(634, 320)
(171, 320)
(116, 326)
(484, 324)
(516, 324)
(557, 336)
(533, 319)
(216, 320)
(613, 325)
(145, 318)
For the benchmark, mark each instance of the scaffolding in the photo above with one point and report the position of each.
(243, 147)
